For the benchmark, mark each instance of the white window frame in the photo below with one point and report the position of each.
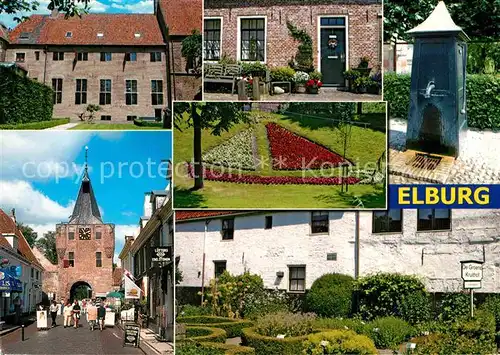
(221, 32)
(238, 37)
(137, 92)
(318, 44)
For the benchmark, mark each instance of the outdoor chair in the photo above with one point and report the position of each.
(217, 73)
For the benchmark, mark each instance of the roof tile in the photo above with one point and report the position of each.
(182, 16)
(117, 276)
(188, 215)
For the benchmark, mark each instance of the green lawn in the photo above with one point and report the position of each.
(367, 145)
(36, 125)
(111, 126)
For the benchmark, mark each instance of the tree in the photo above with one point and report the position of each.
(480, 19)
(192, 51)
(47, 244)
(216, 116)
(69, 7)
(28, 232)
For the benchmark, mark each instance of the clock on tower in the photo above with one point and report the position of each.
(84, 233)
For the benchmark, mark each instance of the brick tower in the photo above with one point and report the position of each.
(85, 246)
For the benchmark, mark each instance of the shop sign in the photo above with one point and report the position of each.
(161, 254)
(472, 270)
(131, 335)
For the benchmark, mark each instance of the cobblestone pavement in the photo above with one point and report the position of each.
(325, 94)
(478, 162)
(60, 340)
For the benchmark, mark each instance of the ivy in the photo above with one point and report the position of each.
(191, 50)
(303, 60)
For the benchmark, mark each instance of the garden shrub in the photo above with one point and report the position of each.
(190, 310)
(354, 324)
(272, 345)
(253, 69)
(36, 125)
(331, 295)
(285, 323)
(483, 98)
(453, 306)
(389, 332)
(282, 74)
(193, 348)
(416, 307)
(264, 301)
(492, 305)
(22, 99)
(142, 123)
(339, 342)
(229, 349)
(381, 295)
(200, 333)
(232, 327)
(303, 60)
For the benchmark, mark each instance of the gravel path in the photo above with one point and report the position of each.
(478, 162)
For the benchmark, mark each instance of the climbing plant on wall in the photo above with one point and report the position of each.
(303, 60)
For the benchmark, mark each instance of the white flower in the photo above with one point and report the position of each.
(346, 327)
(324, 343)
(376, 330)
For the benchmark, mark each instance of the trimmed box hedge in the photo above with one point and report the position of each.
(271, 345)
(230, 349)
(483, 98)
(141, 123)
(232, 327)
(208, 334)
(23, 100)
(36, 125)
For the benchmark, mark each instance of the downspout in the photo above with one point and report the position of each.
(168, 117)
(203, 263)
(45, 65)
(173, 68)
(356, 246)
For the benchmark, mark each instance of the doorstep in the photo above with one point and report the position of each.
(150, 346)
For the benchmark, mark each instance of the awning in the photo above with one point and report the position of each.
(9, 283)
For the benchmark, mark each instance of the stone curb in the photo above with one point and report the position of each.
(10, 330)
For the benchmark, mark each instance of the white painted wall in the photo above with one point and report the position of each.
(289, 242)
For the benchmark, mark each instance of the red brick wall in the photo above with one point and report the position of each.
(143, 70)
(99, 278)
(185, 86)
(364, 29)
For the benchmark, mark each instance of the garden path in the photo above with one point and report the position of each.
(63, 127)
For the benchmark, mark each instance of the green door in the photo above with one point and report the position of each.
(333, 56)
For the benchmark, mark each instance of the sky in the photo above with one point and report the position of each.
(97, 6)
(40, 175)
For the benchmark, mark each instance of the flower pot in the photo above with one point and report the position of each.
(313, 90)
(362, 90)
(300, 89)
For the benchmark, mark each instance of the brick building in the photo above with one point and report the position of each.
(85, 247)
(342, 32)
(116, 61)
(4, 41)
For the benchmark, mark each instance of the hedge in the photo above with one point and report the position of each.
(271, 345)
(483, 98)
(200, 333)
(141, 123)
(36, 125)
(232, 327)
(23, 100)
(331, 295)
(230, 349)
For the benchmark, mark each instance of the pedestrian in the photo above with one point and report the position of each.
(91, 315)
(62, 308)
(53, 312)
(101, 315)
(68, 314)
(76, 313)
(84, 306)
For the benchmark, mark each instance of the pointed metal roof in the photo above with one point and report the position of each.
(438, 21)
(86, 210)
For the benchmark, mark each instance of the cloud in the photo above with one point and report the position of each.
(31, 155)
(142, 6)
(129, 214)
(32, 206)
(96, 6)
(122, 230)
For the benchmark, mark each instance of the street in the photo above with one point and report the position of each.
(60, 340)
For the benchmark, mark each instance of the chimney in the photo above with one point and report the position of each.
(13, 241)
(54, 13)
(14, 215)
(129, 238)
(148, 207)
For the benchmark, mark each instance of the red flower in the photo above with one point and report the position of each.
(293, 152)
(314, 83)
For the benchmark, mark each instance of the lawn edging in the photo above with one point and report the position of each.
(36, 125)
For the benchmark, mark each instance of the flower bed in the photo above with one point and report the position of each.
(236, 152)
(290, 151)
(232, 327)
(213, 175)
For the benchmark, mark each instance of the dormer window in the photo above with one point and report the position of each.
(69, 34)
(137, 35)
(24, 35)
(100, 35)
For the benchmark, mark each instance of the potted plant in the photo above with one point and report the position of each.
(313, 85)
(350, 75)
(299, 80)
(363, 68)
(361, 84)
(375, 84)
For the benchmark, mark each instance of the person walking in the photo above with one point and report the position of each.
(76, 313)
(68, 314)
(101, 315)
(62, 308)
(91, 315)
(53, 312)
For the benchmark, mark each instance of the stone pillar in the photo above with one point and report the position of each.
(242, 91)
(256, 89)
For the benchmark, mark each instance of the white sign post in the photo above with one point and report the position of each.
(472, 274)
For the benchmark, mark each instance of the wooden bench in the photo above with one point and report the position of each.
(218, 73)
